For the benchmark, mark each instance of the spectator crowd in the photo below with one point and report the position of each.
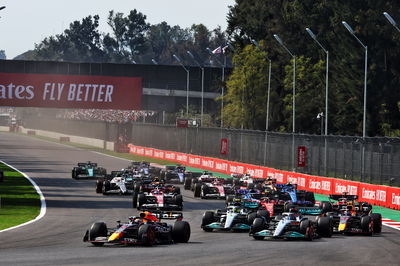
(119, 116)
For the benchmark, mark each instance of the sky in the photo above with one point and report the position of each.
(26, 22)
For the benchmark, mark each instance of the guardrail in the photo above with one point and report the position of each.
(374, 194)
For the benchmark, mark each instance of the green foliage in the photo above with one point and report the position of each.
(261, 19)
(245, 101)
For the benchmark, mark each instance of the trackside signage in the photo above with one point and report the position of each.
(70, 91)
(374, 194)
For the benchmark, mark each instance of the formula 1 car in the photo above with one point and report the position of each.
(286, 196)
(119, 184)
(291, 225)
(173, 173)
(352, 217)
(88, 170)
(158, 199)
(143, 230)
(192, 178)
(238, 216)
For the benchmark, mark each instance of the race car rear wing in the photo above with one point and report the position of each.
(343, 196)
(167, 214)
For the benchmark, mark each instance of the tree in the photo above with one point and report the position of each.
(128, 36)
(246, 89)
(261, 19)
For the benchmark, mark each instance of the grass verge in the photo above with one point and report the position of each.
(20, 202)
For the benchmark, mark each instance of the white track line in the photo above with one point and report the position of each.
(42, 201)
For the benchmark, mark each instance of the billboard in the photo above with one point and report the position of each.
(70, 91)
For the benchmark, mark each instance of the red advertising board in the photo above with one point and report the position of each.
(224, 146)
(301, 156)
(70, 91)
(374, 194)
(182, 123)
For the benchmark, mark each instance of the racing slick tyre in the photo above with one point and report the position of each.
(106, 187)
(236, 182)
(203, 192)
(193, 183)
(74, 174)
(187, 183)
(325, 226)
(99, 186)
(257, 226)
(141, 200)
(310, 197)
(377, 218)
(97, 230)
(264, 214)
(250, 185)
(251, 217)
(367, 225)
(181, 232)
(326, 206)
(146, 235)
(197, 190)
(134, 199)
(208, 218)
(307, 229)
(136, 188)
(229, 199)
(179, 201)
(288, 206)
(177, 190)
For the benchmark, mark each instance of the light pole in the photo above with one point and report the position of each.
(187, 83)
(268, 94)
(202, 85)
(309, 31)
(279, 40)
(365, 75)
(391, 20)
(222, 89)
(365, 94)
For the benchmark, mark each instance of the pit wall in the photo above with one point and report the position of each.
(98, 143)
(384, 196)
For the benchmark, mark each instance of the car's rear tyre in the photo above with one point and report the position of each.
(98, 229)
(377, 218)
(146, 235)
(208, 218)
(326, 206)
(257, 226)
(73, 173)
(134, 199)
(251, 217)
(306, 228)
(325, 226)
(193, 184)
(203, 192)
(187, 183)
(366, 222)
(179, 200)
(263, 214)
(99, 186)
(250, 185)
(106, 187)
(197, 190)
(181, 232)
(177, 190)
(141, 200)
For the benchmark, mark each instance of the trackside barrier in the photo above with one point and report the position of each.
(375, 194)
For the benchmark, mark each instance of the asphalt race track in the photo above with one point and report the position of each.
(72, 206)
